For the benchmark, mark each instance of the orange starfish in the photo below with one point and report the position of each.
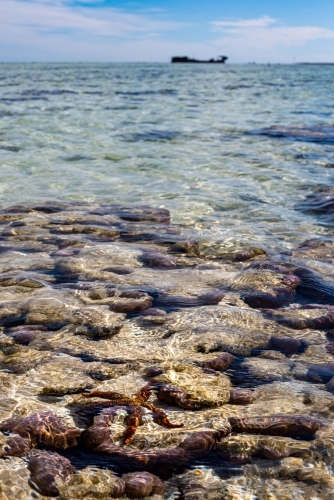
(134, 406)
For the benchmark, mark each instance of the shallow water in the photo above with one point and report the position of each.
(221, 297)
(229, 149)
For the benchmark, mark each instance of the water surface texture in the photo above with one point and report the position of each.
(166, 281)
(227, 148)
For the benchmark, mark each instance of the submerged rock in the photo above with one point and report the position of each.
(42, 429)
(316, 248)
(120, 301)
(174, 301)
(241, 397)
(266, 286)
(205, 440)
(173, 396)
(90, 483)
(320, 202)
(45, 466)
(211, 389)
(320, 374)
(286, 345)
(280, 425)
(15, 480)
(103, 297)
(312, 316)
(198, 484)
(156, 259)
(16, 446)
(219, 363)
(230, 252)
(95, 321)
(25, 334)
(142, 484)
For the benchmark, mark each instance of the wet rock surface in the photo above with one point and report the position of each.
(42, 429)
(138, 360)
(45, 467)
(142, 484)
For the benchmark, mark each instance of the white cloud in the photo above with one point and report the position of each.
(51, 15)
(244, 23)
(265, 37)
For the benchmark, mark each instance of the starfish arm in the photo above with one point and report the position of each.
(116, 397)
(133, 421)
(95, 408)
(161, 418)
(142, 396)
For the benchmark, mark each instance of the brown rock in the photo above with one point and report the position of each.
(276, 425)
(121, 301)
(249, 254)
(267, 284)
(219, 363)
(156, 259)
(91, 483)
(286, 345)
(320, 374)
(142, 484)
(239, 459)
(241, 397)
(272, 454)
(16, 446)
(200, 441)
(330, 385)
(45, 467)
(142, 214)
(173, 396)
(43, 429)
(119, 270)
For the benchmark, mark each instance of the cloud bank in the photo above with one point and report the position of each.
(268, 33)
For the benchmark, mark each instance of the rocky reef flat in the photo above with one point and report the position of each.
(139, 360)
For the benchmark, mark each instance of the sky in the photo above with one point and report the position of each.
(261, 31)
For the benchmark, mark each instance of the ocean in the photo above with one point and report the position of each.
(168, 227)
(229, 149)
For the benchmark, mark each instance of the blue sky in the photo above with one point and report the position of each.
(154, 30)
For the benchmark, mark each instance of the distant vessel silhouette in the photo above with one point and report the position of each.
(185, 59)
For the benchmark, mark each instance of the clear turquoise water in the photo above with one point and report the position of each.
(186, 137)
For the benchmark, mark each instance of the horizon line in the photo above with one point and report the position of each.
(169, 62)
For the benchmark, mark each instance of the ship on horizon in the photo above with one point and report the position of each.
(185, 59)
